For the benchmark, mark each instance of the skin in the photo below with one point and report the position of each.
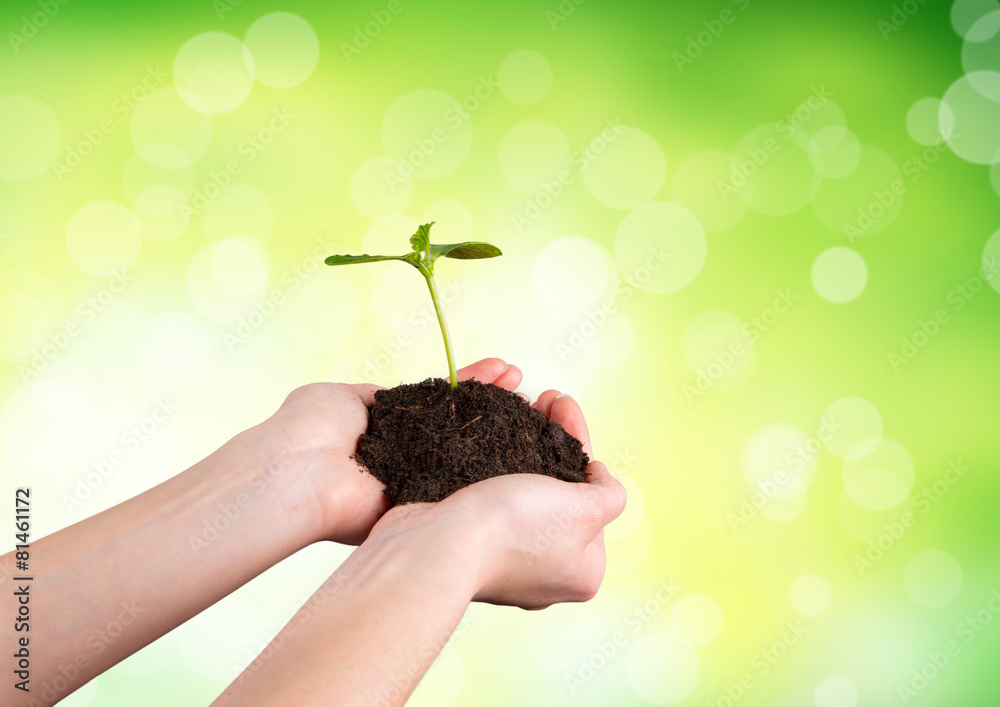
(121, 579)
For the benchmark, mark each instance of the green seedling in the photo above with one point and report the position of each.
(422, 258)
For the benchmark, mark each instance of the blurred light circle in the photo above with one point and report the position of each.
(219, 293)
(719, 350)
(138, 175)
(625, 167)
(211, 73)
(663, 669)
(378, 190)
(29, 137)
(965, 14)
(932, 578)
(846, 423)
(807, 119)
(699, 186)
(780, 448)
(786, 508)
(772, 172)
(880, 479)
(924, 124)
(103, 237)
(427, 133)
(238, 209)
(973, 102)
(532, 155)
(839, 275)
(173, 350)
(696, 619)
(834, 151)
(867, 200)
(167, 131)
(836, 691)
(284, 48)
(570, 274)
(525, 77)
(162, 213)
(660, 247)
(240, 265)
(981, 52)
(810, 595)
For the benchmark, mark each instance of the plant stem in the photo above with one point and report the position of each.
(429, 277)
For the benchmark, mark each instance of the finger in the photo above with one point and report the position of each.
(485, 371)
(366, 391)
(544, 402)
(567, 413)
(509, 379)
(611, 493)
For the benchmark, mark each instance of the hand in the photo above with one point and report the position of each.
(314, 435)
(528, 540)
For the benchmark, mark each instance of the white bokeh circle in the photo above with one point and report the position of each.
(991, 261)
(834, 151)
(880, 479)
(867, 200)
(848, 422)
(628, 171)
(427, 133)
(923, 121)
(772, 172)
(965, 13)
(719, 350)
(839, 275)
(167, 131)
(211, 72)
(973, 103)
(162, 213)
(525, 77)
(780, 448)
(238, 209)
(660, 247)
(284, 48)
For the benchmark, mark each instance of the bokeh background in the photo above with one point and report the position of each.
(757, 240)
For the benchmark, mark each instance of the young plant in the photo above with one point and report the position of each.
(422, 258)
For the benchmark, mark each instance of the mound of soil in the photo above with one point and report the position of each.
(427, 440)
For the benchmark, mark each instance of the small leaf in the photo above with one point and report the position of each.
(421, 240)
(470, 250)
(364, 258)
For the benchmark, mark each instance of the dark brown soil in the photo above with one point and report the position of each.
(426, 440)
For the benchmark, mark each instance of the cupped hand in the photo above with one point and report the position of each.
(528, 540)
(314, 435)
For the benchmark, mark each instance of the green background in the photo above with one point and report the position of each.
(705, 577)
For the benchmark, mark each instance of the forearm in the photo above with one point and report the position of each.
(109, 585)
(370, 632)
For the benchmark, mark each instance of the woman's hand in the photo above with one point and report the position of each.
(315, 434)
(526, 540)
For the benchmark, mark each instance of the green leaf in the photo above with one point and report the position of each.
(421, 240)
(470, 250)
(364, 258)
